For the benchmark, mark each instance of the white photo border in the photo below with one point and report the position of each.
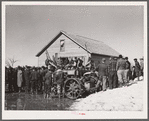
(74, 114)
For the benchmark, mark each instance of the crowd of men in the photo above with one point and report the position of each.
(116, 73)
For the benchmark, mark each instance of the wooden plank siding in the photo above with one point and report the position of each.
(71, 50)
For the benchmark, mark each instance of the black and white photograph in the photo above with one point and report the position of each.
(74, 60)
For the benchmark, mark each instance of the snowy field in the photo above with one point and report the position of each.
(120, 99)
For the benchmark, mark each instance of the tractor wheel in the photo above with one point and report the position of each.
(72, 88)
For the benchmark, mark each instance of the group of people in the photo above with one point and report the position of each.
(24, 78)
(116, 73)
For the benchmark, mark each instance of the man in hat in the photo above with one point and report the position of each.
(48, 82)
(137, 68)
(43, 72)
(127, 71)
(102, 69)
(19, 78)
(27, 78)
(142, 66)
(80, 67)
(34, 77)
(121, 67)
(10, 81)
(59, 80)
(112, 73)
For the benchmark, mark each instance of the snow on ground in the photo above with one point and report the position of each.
(120, 99)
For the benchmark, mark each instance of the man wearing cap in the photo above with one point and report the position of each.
(142, 65)
(102, 69)
(27, 79)
(48, 82)
(59, 80)
(127, 69)
(120, 67)
(19, 78)
(80, 67)
(137, 68)
(34, 77)
(112, 73)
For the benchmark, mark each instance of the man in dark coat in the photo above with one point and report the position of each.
(133, 74)
(80, 68)
(48, 83)
(39, 80)
(27, 79)
(102, 69)
(43, 72)
(112, 73)
(6, 79)
(127, 70)
(14, 79)
(59, 80)
(10, 79)
(142, 66)
(137, 68)
(34, 77)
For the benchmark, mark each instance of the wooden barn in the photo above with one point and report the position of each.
(65, 45)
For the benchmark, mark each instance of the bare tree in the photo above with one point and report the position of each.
(7, 63)
(11, 61)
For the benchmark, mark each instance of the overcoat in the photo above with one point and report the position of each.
(19, 78)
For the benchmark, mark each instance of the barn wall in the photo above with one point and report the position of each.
(98, 58)
(71, 50)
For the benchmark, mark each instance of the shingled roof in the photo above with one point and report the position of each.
(90, 45)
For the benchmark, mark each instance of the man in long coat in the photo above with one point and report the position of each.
(142, 66)
(127, 71)
(112, 73)
(27, 79)
(48, 83)
(59, 80)
(10, 81)
(137, 68)
(19, 78)
(34, 77)
(14, 79)
(102, 69)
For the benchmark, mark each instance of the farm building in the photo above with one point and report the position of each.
(65, 45)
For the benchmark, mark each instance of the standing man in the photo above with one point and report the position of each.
(142, 65)
(27, 79)
(14, 79)
(102, 69)
(19, 78)
(59, 79)
(121, 67)
(34, 77)
(137, 68)
(112, 73)
(10, 80)
(133, 73)
(42, 71)
(6, 78)
(48, 83)
(80, 67)
(127, 71)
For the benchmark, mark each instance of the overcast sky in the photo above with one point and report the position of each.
(30, 28)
